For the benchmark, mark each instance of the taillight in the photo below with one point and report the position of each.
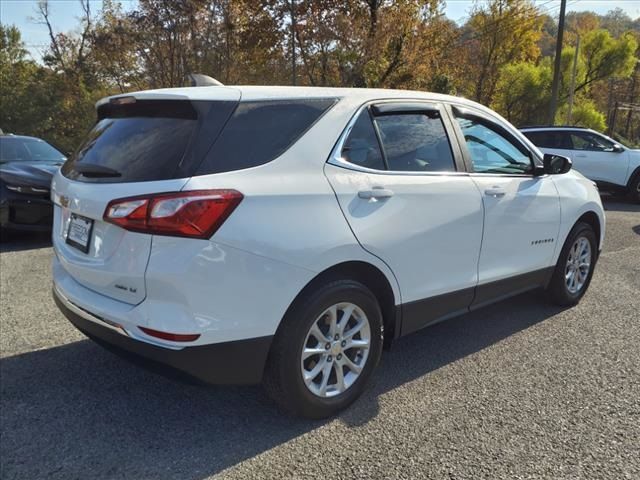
(196, 214)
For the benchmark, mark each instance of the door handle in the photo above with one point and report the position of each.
(495, 192)
(376, 193)
(581, 155)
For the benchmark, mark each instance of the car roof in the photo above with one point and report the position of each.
(540, 128)
(256, 93)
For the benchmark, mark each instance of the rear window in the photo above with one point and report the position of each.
(150, 140)
(147, 140)
(261, 131)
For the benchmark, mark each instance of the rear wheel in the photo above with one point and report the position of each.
(325, 350)
(634, 189)
(575, 265)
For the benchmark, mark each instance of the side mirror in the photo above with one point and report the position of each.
(617, 148)
(556, 164)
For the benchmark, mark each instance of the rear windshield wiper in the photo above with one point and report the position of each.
(92, 170)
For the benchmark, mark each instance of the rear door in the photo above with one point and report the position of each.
(137, 147)
(401, 186)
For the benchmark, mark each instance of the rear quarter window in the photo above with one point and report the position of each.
(260, 131)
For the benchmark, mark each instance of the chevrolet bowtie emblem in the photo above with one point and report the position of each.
(64, 201)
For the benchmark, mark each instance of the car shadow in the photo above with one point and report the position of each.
(18, 241)
(77, 411)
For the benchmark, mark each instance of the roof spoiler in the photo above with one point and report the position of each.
(200, 80)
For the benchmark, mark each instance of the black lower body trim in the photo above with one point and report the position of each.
(230, 363)
(499, 290)
(422, 313)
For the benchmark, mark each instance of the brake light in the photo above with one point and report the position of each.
(195, 214)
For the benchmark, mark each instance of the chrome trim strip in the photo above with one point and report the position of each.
(87, 315)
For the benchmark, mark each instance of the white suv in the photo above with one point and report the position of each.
(285, 235)
(611, 165)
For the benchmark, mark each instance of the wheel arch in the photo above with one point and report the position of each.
(635, 174)
(371, 277)
(591, 218)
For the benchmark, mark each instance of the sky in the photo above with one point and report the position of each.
(64, 14)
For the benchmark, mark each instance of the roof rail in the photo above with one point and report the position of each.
(555, 126)
(200, 80)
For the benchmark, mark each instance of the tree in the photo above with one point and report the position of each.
(373, 43)
(584, 114)
(616, 22)
(15, 71)
(523, 92)
(606, 57)
(499, 33)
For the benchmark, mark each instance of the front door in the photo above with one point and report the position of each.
(596, 158)
(397, 179)
(521, 211)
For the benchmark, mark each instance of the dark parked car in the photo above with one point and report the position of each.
(27, 165)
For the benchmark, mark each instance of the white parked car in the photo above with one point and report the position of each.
(611, 165)
(285, 235)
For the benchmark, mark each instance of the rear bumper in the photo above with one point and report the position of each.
(238, 362)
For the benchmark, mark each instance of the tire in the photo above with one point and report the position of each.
(283, 379)
(561, 290)
(633, 192)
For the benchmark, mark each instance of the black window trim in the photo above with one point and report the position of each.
(458, 110)
(336, 159)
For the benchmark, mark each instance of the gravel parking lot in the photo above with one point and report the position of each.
(517, 390)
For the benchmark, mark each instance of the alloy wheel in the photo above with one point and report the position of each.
(335, 350)
(578, 265)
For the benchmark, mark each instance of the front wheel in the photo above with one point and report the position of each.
(574, 269)
(633, 193)
(326, 349)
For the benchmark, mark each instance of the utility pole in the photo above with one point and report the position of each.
(614, 117)
(632, 95)
(293, 42)
(556, 67)
(573, 82)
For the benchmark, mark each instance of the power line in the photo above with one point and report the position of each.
(504, 24)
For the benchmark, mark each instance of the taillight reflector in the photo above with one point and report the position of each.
(195, 214)
(174, 337)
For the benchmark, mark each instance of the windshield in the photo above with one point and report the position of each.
(17, 149)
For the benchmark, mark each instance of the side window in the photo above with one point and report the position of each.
(491, 151)
(548, 139)
(361, 147)
(563, 140)
(541, 139)
(415, 143)
(589, 141)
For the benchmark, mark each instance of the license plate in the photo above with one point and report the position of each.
(79, 233)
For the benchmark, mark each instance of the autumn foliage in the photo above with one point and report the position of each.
(500, 55)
